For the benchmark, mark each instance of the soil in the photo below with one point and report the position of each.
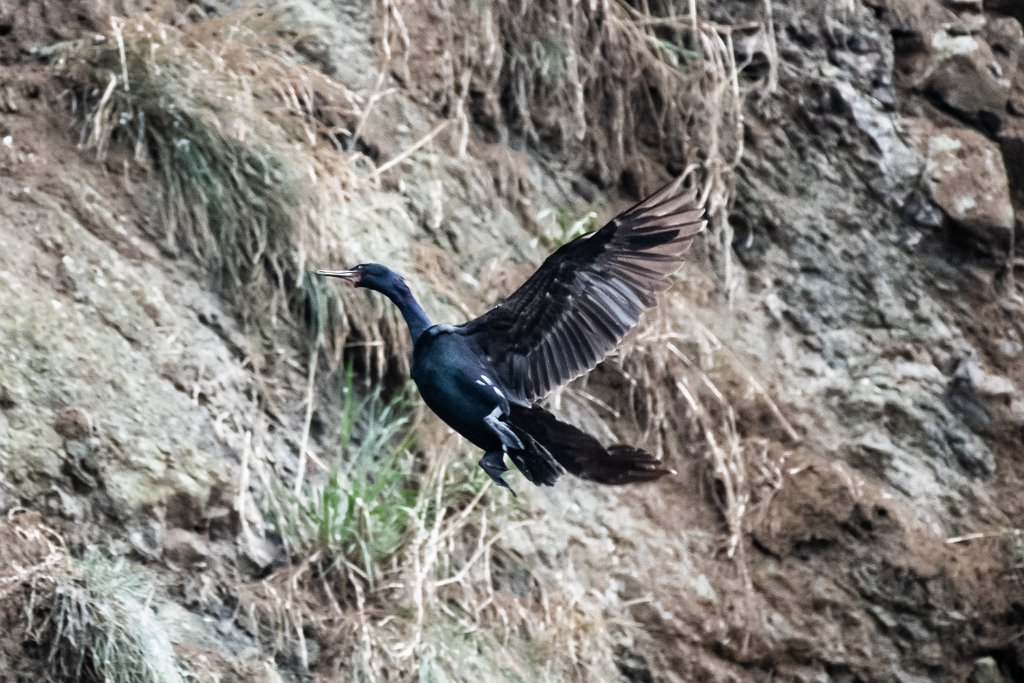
(877, 542)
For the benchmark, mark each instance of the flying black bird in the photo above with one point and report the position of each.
(484, 376)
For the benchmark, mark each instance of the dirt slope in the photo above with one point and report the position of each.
(847, 509)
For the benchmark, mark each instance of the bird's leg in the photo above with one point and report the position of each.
(504, 432)
(493, 463)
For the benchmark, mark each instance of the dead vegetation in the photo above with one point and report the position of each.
(244, 141)
(688, 396)
(33, 557)
(394, 555)
(90, 619)
(394, 543)
(605, 87)
(98, 623)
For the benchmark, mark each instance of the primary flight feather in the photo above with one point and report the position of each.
(484, 376)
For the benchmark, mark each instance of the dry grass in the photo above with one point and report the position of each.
(435, 612)
(1012, 542)
(244, 141)
(92, 619)
(603, 86)
(99, 624)
(606, 88)
(42, 561)
(394, 558)
(686, 394)
(395, 569)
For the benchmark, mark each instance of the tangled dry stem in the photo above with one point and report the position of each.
(47, 563)
(432, 600)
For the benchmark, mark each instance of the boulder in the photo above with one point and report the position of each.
(965, 176)
(184, 547)
(964, 73)
(967, 62)
(1006, 38)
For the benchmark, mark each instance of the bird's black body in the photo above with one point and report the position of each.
(448, 376)
(482, 377)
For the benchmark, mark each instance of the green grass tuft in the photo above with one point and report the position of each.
(360, 512)
(100, 625)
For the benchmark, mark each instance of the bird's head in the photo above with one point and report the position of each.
(370, 275)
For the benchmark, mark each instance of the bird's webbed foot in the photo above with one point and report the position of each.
(493, 463)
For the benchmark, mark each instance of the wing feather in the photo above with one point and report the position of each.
(576, 308)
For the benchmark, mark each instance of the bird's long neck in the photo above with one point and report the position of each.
(413, 313)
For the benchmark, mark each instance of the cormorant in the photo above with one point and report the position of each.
(483, 377)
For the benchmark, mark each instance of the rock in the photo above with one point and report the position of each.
(6, 400)
(266, 672)
(897, 163)
(965, 176)
(144, 541)
(964, 73)
(914, 18)
(964, 5)
(80, 464)
(703, 588)
(185, 507)
(221, 522)
(257, 550)
(810, 511)
(1006, 38)
(317, 50)
(974, 395)
(185, 547)
(1010, 349)
(949, 57)
(1011, 141)
(312, 653)
(986, 671)
(60, 503)
(1017, 412)
(72, 423)
(920, 210)
(989, 385)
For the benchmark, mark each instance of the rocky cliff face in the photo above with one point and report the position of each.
(838, 377)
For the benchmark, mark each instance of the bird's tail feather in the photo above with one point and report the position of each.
(553, 447)
(535, 462)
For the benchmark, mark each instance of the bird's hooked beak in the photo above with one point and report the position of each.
(349, 276)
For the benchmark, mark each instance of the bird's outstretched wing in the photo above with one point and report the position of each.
(587, 295)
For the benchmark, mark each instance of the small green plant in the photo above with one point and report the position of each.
(573, 227)
(359, 513)
(567, 226)
(100, 625)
